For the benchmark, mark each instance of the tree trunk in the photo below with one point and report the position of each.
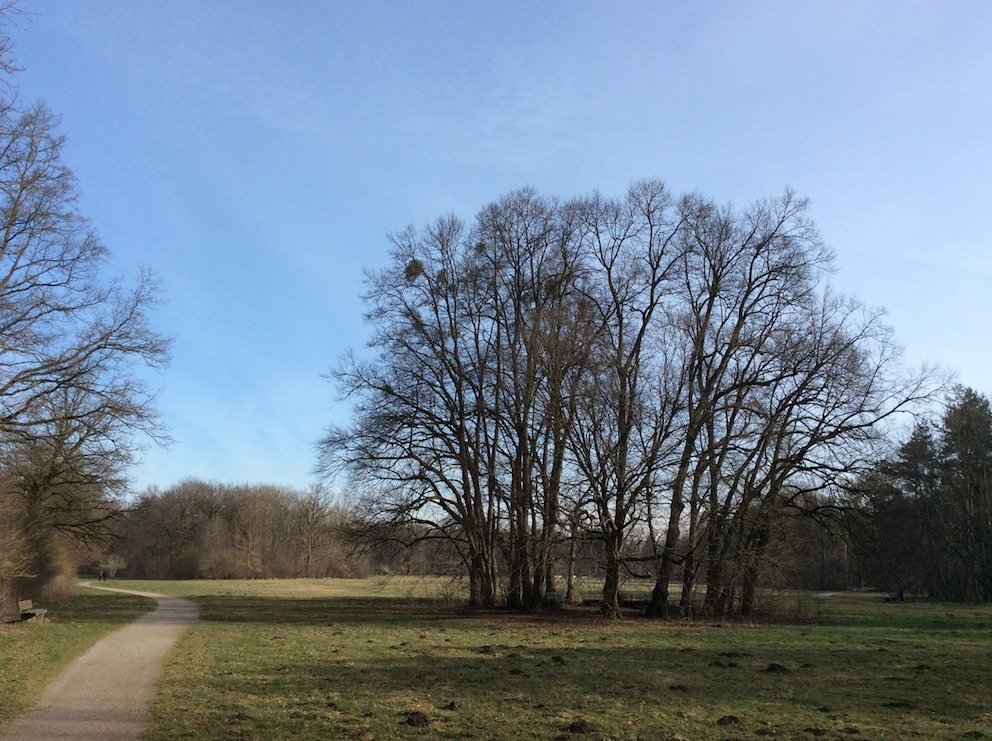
(611, 586)
(573, 557)
(9, 610)
(658, 606)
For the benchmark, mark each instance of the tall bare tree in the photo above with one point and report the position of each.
(74, 409)
(626, 412)
(422, 442)
(530, 245)
(462, 413)
(787, 388)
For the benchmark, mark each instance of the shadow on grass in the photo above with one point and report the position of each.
(95, 607)
(322, 610)
(787, 687)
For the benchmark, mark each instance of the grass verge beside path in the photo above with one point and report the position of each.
(32, 655)
(319, 659)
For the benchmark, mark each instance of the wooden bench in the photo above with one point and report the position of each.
(27, 608)
(639, 600)
(553, 599)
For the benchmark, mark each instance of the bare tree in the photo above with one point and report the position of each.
(740, 274)
(788, 387)
(73, 408)
(314, 527)
(461, 422)
(421, 447)
(529, 245)
(626, 413)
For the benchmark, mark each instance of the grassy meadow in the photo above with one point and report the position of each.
(401, 659)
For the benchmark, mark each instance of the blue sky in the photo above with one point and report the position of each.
(255, 155)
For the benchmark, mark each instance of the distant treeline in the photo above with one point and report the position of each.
(201, 530)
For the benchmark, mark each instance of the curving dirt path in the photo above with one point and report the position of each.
(104, 695)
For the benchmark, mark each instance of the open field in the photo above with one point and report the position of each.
(378, 660)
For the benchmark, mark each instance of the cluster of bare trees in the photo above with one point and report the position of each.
(73, 408)
(648, 367)
(201, 530)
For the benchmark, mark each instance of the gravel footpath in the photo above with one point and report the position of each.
(104, 695)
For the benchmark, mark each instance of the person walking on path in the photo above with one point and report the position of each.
(104, 695)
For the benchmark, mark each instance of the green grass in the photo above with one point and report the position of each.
(349, 659)
(32, 655)
(353, 660)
